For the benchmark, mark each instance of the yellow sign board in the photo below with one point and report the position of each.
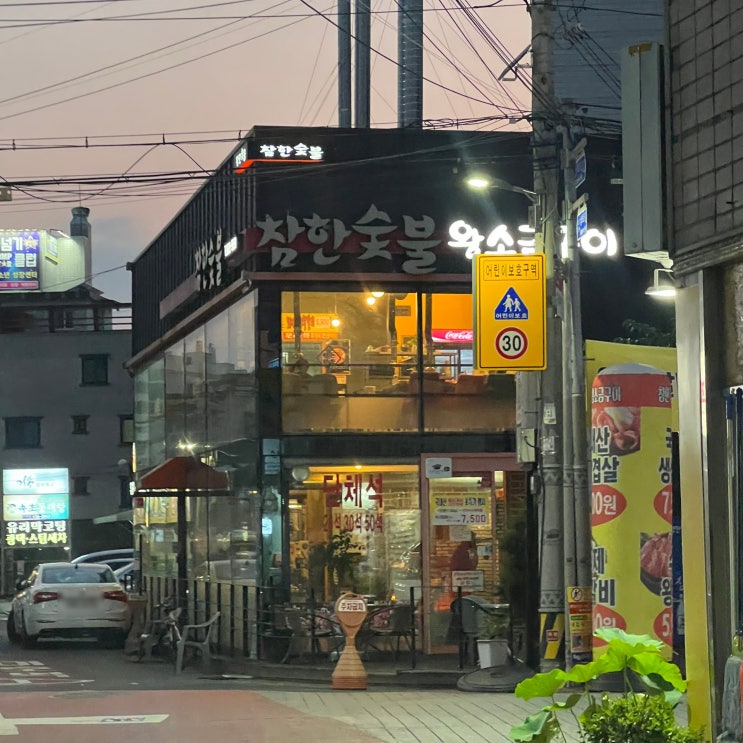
(509, 295)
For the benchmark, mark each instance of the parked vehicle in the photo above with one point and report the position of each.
(117, 558)
(63, 599)
(128, 575)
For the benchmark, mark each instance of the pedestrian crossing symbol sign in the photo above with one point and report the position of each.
(511, 307)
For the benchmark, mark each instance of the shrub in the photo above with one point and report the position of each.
(632, 717)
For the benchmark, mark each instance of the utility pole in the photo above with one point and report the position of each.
(545, 388)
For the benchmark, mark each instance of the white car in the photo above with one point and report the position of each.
(61, 599)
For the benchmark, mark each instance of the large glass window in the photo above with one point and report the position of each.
(194, 390)
(230, 374)
(354, 527)
(377, 361)
(175, 420)
(149, 415)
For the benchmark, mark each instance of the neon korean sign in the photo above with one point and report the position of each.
(501, 241)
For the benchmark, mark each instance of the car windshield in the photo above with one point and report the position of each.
(77, 574)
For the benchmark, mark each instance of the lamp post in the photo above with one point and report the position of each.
(553, 403)
(539, 435)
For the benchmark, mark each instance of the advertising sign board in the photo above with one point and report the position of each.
(19, 260)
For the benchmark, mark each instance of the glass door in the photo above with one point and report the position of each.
(469, 519)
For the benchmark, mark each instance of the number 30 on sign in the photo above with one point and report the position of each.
(511, 343)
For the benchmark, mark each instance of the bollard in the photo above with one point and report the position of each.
(138, 606)
(349, 673)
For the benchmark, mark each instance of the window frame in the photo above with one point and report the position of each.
(22, 419)
(86, 380)
(80, 484)
(124, 419)
(82, 429)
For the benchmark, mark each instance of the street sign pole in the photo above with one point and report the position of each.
(576, 501)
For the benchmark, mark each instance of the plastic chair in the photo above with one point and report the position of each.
(199, 637)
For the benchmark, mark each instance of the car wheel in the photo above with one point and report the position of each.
(10, 628)
(28, 641)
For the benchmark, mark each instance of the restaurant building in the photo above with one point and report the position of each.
(302, 331)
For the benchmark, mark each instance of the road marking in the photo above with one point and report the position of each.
(9, 726)
(27, 672)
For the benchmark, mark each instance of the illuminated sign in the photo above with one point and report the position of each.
(373, 235)
(36, 481)
(37, 533)
(441, 335)
(314, 326)
(501, 241)
(230, 246)
(19, 260)
(52, 250)
(255, 152)
(33, 507)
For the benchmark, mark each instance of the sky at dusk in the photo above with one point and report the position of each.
(129, 74)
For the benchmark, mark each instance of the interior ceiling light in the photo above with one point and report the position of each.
(663, 285)
(371, 301)
(378, 295)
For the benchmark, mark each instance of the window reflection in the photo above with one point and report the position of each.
(362, 361)
(355, 528)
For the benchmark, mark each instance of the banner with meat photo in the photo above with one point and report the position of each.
(631, 513)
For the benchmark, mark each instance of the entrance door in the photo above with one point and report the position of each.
(465, 517)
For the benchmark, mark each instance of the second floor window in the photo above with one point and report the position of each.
(22, 433)
(94, 369)
(80, 485)
(80, 424)
(126, 429)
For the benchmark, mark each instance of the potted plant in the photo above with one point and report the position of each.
(492, 641)
(639, 716)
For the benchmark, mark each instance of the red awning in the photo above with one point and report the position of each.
(186, 474)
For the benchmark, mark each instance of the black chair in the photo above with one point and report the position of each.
(398, 624)
(307, 630)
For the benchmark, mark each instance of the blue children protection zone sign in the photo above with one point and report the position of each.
(511, 307)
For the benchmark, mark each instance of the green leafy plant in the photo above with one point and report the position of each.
(494, 626)
(340, 558)
(638, 717)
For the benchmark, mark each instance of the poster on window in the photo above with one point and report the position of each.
(631, 513)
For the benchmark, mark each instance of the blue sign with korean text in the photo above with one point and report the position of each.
(581, 221)
(19, 260)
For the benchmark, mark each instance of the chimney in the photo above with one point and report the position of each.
(80, 228)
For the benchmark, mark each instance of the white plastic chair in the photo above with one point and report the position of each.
(198, 636)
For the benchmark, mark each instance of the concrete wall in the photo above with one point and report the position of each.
(40, 375)
(706, 131)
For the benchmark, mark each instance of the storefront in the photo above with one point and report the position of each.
(304, 327)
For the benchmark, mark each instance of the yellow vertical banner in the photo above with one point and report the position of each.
(631, 494)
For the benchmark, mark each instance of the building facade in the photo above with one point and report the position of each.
(705, 232)
(67, 423)
(303, 327)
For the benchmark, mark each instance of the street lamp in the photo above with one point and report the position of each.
(483, 183)
(663, 286)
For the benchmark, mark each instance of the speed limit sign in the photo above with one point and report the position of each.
(510, 317)
(511, 343)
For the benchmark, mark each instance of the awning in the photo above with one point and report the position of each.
(185, 475)
(123, 515)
